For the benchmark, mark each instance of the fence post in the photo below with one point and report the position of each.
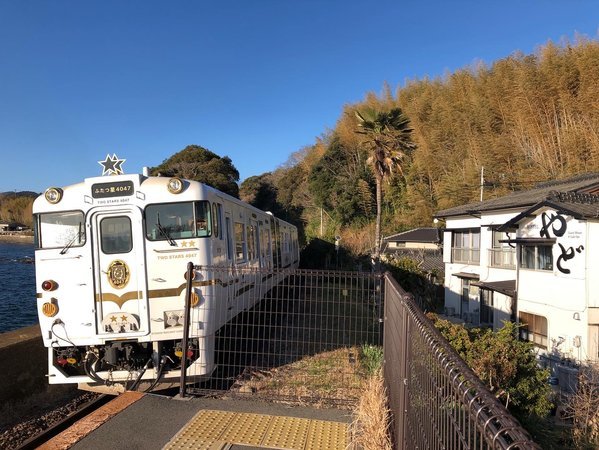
(186, 326)
(405, 359)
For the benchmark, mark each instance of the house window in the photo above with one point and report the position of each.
(536, 257)
(486, 306)
(533, 328)
(466, 246)
(501, 254)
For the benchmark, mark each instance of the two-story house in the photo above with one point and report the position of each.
(530, 257)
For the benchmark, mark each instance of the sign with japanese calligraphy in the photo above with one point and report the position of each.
(569, 234)
(114, 189)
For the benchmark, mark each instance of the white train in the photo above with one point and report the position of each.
(111, 256)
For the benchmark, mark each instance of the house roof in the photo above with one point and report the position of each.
(507, 287)
(578, 205)
(576, 195)
(424, 234)
(427, 260)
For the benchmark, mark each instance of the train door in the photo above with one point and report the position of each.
(230, 259)
(119, 273)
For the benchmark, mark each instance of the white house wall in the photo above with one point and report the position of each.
(453, 284)
(592, 264)
(561, 294)
(503, 308)
(567, 296)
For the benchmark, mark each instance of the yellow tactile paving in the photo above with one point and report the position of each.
(246, 428)
(208, 425)
(326, 435)
(285, 433)
(214, 430)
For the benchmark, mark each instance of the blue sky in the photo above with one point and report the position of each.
(253, 80)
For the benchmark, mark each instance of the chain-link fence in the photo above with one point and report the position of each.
(298, 335)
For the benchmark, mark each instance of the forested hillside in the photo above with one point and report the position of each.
(525, 119)
(16, 207)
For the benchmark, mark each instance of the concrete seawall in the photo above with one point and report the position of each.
(24, 386)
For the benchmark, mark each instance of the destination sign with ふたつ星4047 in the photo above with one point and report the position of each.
(112, 189)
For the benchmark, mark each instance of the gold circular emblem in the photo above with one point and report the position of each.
(118, 274)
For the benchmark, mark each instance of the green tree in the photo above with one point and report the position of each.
(259, 191)
(199, 164)
(509, 367)
(339, 183)
(388, 139)
(506, 364)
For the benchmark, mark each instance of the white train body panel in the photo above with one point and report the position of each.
(111, 256)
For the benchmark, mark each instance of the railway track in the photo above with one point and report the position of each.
(55, 428)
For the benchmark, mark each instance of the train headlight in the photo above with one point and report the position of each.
(49, 285)
(53, 195)
(50, 309)
(175, 186)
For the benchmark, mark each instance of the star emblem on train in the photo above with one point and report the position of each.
(112, 165)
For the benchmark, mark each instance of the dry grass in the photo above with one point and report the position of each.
(371, 426)
(339, 377)
(333, 377)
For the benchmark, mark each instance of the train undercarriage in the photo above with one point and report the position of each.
(124, 365)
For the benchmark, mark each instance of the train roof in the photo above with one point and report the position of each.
(129, 189)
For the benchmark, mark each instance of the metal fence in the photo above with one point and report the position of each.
(301, 335)
(436, 400)
(305, 336)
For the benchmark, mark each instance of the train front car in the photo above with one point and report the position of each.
(111, 256)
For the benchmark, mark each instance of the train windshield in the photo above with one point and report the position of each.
(171, 221)
(64, 230)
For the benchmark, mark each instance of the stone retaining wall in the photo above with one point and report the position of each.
(23, 383)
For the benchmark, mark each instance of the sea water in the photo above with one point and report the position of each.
(17, 285)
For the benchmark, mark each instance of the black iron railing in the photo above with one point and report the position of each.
(436, 400)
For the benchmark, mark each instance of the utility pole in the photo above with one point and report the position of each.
(482, 182)
(321, 221)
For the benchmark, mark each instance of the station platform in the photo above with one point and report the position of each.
(147, 421)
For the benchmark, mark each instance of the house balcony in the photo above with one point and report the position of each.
(502, 258)
(465, 255)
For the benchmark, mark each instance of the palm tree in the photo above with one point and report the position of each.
(389, 141)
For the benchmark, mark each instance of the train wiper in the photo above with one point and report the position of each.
(163, 232)
(79, 235)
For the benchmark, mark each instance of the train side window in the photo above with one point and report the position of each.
(229, 239)
(116, 235)
(251, 245)
(219, 216)
(240, 243)
(216, 221)
(203, 220)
